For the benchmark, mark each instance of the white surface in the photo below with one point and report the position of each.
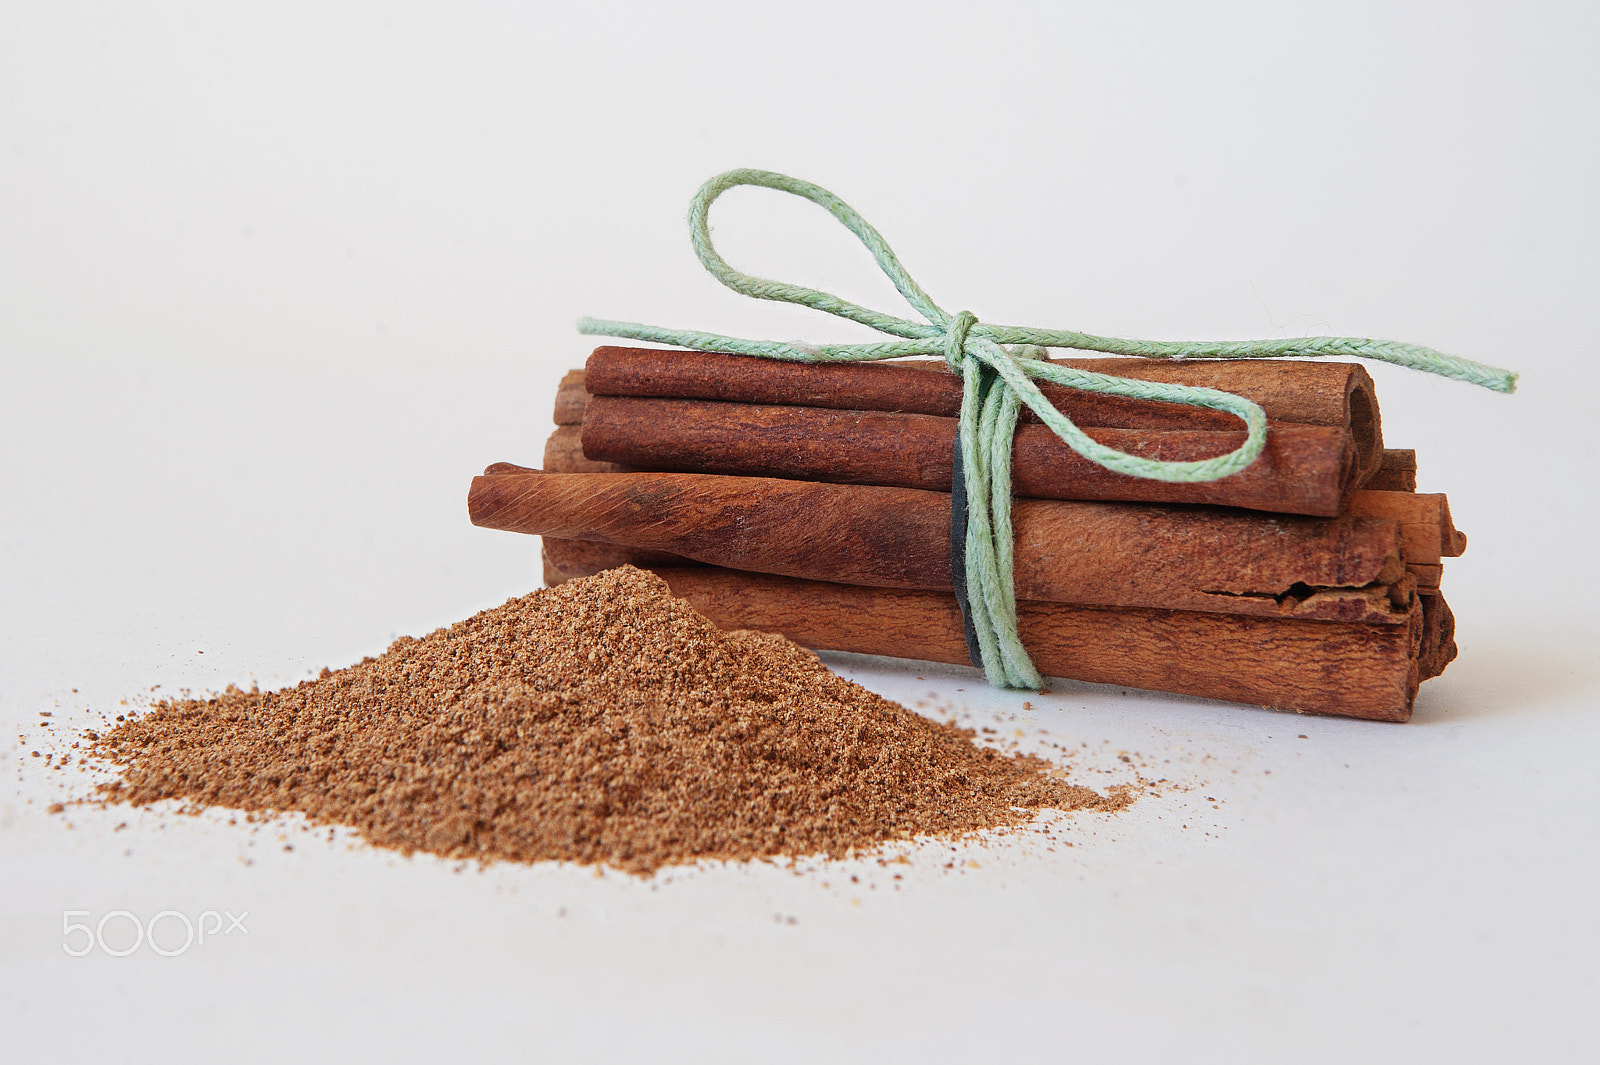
(274, 285)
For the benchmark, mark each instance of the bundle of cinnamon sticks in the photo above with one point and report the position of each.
(814, 500)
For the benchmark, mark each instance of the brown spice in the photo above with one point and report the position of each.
(601, 721)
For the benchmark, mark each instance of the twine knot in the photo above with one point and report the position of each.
(998, 365)
(955, 339)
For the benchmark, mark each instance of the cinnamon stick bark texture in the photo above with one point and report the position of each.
(1338, 395)
(1397, 472)
(1191, 558)
(1305, 469)
(1427, 576)
(1438, 634)
(563, 453)
(571, 398)
(1351, 670)
(1427, 532)
(1424, 520)
(566, 560)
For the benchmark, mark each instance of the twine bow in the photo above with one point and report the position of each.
(982, 552)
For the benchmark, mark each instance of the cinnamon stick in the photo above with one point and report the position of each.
(1425, 519)
(563, 453)
(1353, 670)
(1438, 634)
(1191, 558)
(1338, 395)
(1397, 472)
(1305, 469)
(565, 560)
(1426, 529)
(571, 398)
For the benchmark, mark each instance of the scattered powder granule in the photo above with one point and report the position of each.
(600, 721)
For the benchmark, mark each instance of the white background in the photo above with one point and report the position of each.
(276, 280)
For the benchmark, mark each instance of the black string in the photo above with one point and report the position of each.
(958, 530)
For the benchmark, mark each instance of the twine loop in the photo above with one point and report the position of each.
(998, 365)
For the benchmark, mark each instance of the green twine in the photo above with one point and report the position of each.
(989, 416)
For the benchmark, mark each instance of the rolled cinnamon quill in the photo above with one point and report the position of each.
(1397, 472)
(1304, 469)
(571, 398)
(1351, 670)
(1189, 558)
(1336, 395)
(1427, 533)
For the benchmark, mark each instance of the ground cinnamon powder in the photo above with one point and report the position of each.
(601, 721)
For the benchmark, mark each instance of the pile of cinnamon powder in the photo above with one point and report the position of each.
(601, 721)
